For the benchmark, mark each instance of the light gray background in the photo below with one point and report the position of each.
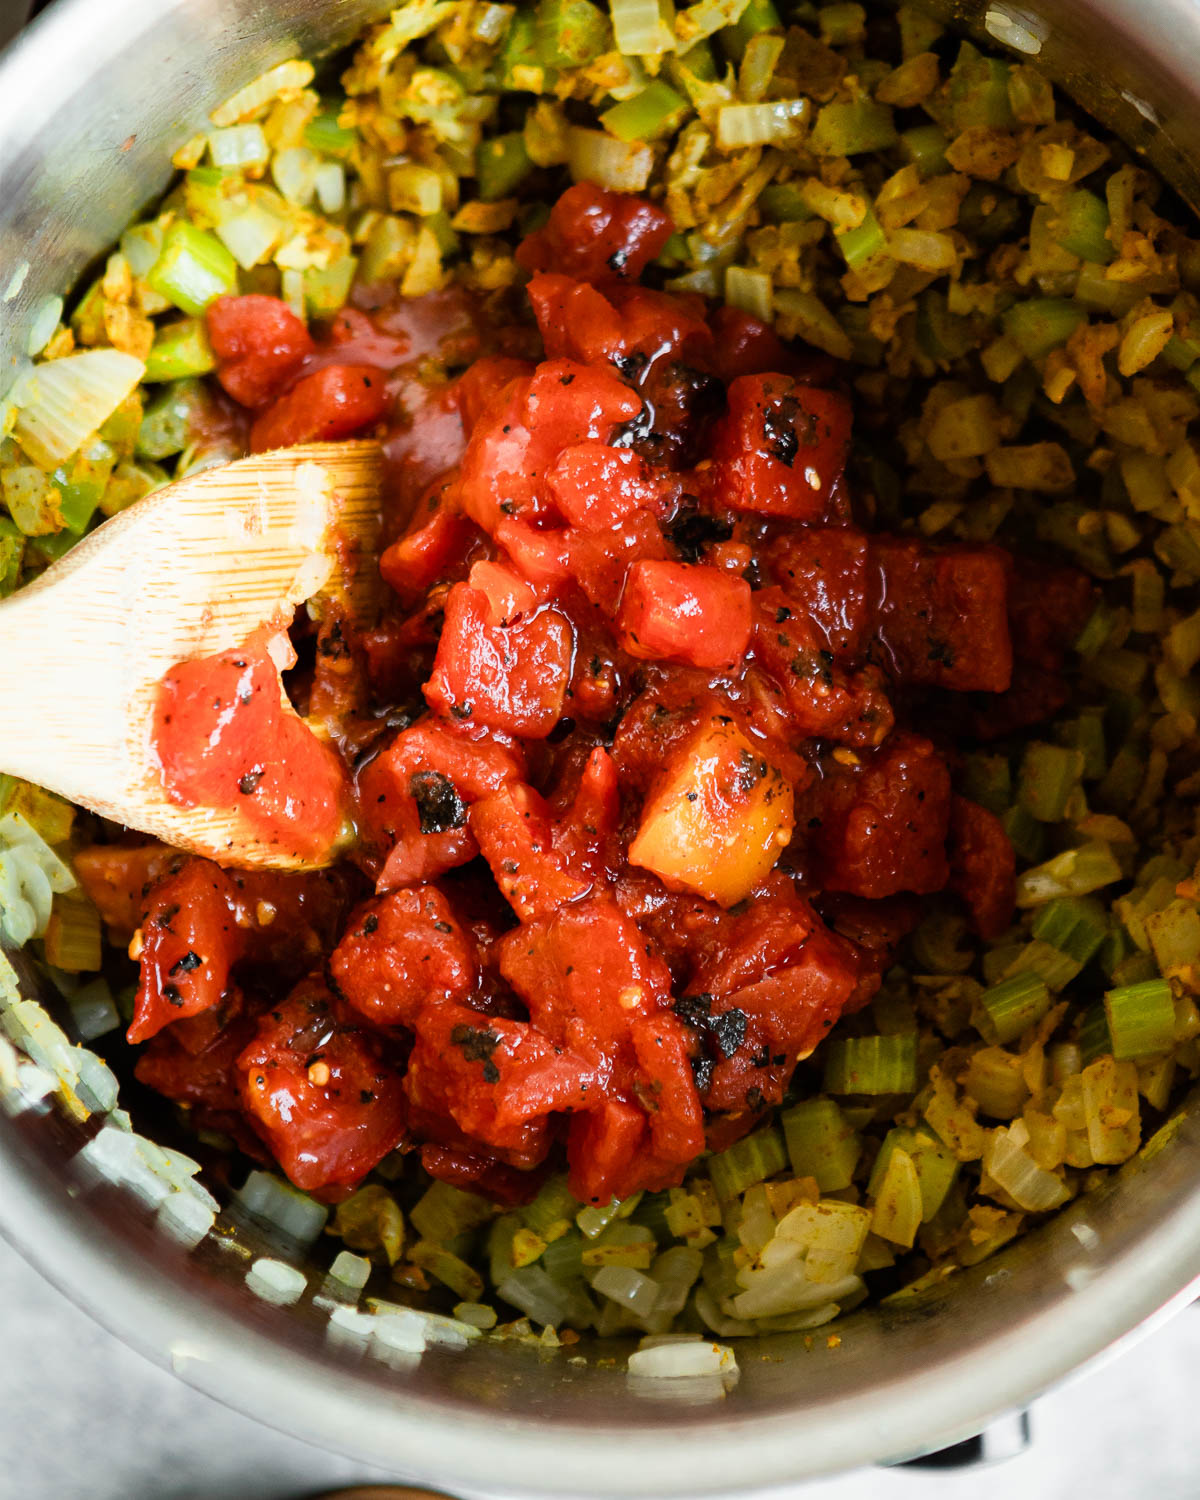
(83, 1418)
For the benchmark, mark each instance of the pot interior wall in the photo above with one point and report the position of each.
(92, 102)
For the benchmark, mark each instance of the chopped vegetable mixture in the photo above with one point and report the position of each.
(773, 777)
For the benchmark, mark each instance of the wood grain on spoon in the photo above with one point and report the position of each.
(191, 570)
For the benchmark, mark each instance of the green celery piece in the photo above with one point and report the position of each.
(1075, 925)
(1141, 1019)
(445, 1211)
(194, 268)
(782, 204)
(180, 349)
(167, 425)
(1080, 227)
(570, 33)
(563, 1257)
(1094, 1038)
(205, 192)
(924, 146)
(860, 244)
(501, 165)
(872, 1064)
(1086, 734)
(759, 15)
(45, 550)
(937, 1168)
(443, 231)
(81, 482)
(699, 61)
(853, 128)
(821, 1143)
(653, 113)
(87, 320)
(977, 91)
(944, 336)
(1011, 1007)
(554, 1202)
(752, 1159)
(1042, 324)
(12, 550)
(1049, 775)
(327, 287)
(988, 214)
(987, 780)
(918, 31)
(1115, 949)
(519, 65)
(324, 134)
(674, 253)
(1025, 833)
(1182, 352)
(499, 1246)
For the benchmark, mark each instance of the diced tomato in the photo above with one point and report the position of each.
(403, 951)
(575, 320)
(524, 428)
(498, 1080)
(434, 547)
(482, 382)
(599, 561)
(825, 573)
(1035, 695)
(882, 823)
(747, 346)
(586, 973)
(509, 597)
(189, 943)
(414, 797)
(666, 1089)
(740, 949)
(331, 403)
(515, 837)
(1047, 608)
(597, 235)
(943, 614)
(198, 1076)
(116, 878)
(982, 867)
(505, 1185)
(509, 677)
(260, 344)
(780, 447)
(322, 1092)
(586, 835)
(596, 487)
(685, 612)
(823, 699)
(604, 1148)
(541, 557)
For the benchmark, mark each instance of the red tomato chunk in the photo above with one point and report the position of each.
(628, 753)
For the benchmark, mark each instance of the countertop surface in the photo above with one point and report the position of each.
(83, 1418)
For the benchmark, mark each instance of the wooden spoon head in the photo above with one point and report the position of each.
(192, 570)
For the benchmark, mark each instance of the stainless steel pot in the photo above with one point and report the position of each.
(92, 101)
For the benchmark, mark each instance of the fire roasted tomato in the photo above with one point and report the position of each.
(780, 447)
(401, 952)
(597, 236)
(260, 346)
(325, 1094)
(334, 402)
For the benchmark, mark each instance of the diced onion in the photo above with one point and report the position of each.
(275, 1281)
(93, 1010)
(643, 27)
(678, 1359)
(252, 100)
(330, 183)
(741, 125)
(1013, 1170)
(621, 166)
(239, 146)
(46, 318)
(628, 1288)
(752, 291)
(536, 1294)
(251, 234)
(62, 402)
(295, 173)
(277, 1202)
(351, 1270)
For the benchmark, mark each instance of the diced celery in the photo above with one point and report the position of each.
(853, 128)
(1094, 1038)
(987, 780)
(1041, 324)
(821, 1144)
(1074, 872)
(1011, 1007)
(750, 1160)
(657, 111)
(324, 134)
(519, 62)
(758, 16)
(1025, 833)
(12, 550)
(570, 33)
(327, 287)
(445, 1211)
(1141, 1019)
(501, 165)
(925, 147)
(942, 335)
(1110, 1102)
(872, 1064)
(782, 203)
(936, 1166)
(1075, 925)
(167, 425)
(194, 268)
(1086, 734)
(1081, 224)
(1050, 775)
(977, 91)
(898, 1201)
(180, 349)
(860, 244)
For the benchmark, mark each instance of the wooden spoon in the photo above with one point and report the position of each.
(191, 570)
